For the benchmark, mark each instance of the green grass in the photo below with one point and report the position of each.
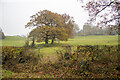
(13, 41)
(6, 73)
(93, 40)
(9, 74)
(78, 40)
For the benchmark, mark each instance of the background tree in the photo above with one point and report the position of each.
(68, 24)
(76, 29)
(89, 29)
(105, 12)
(51, 25)
(32, 36)
(27, 42)
(2, 36)
(108, 11)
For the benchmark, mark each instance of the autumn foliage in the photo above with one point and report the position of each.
(73, 62)
(51, 26)
(15, 55)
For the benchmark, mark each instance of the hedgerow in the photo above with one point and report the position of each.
(14, 55)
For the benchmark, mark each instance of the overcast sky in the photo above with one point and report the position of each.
(14, 14)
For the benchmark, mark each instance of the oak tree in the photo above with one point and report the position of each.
(50, 25)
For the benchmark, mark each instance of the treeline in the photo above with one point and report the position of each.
(94, 30)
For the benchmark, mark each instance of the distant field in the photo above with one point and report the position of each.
(93, 40)
(13, 41)
(78, 40)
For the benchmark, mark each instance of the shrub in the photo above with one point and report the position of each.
(80, 58)
(13, 55)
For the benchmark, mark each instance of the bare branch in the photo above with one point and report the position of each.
(103, 8)
(112, 19)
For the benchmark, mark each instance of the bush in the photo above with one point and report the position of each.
(81, 57)
(73, 58)
(14, 55)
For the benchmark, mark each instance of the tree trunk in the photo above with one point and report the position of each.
(33, 42)
(53, 40)
(46, 40)
(119, 34)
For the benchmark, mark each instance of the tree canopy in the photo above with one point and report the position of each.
(50, 25)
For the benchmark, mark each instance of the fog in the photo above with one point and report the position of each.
(15, 14)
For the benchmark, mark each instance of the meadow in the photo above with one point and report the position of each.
(13, 41)
(50, 53)
(77, 40)
(51, 50)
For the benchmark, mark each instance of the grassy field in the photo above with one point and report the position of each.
(93, 40)
(13, 41)
(51, 50)
(77, 40)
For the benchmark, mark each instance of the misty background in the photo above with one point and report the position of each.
(16, 13)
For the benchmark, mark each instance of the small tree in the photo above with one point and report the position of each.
(27, 42)
(76, 29)
(2, 36)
